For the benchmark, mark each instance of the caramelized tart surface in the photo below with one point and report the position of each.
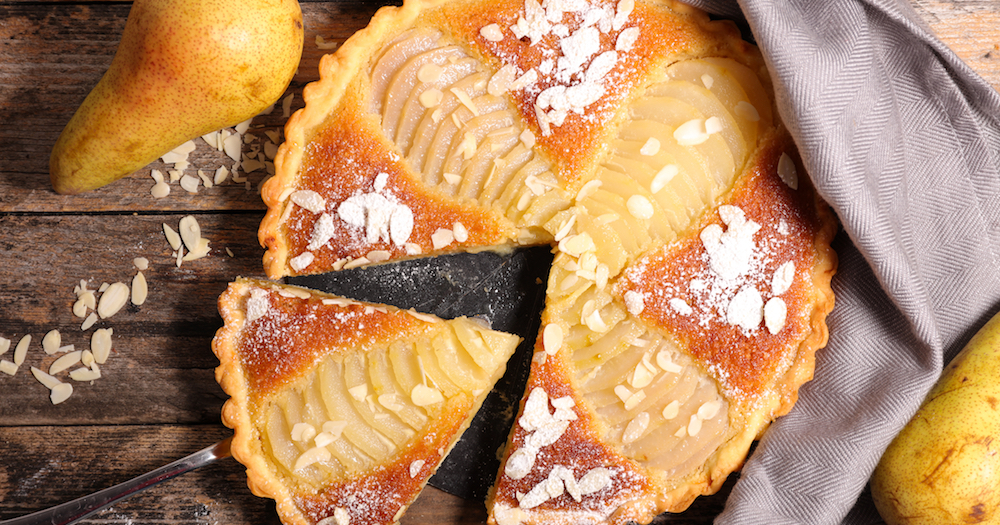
(691, 281)
(343, 410)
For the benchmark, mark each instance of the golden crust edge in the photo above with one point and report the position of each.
(236, 410)
(337, 71)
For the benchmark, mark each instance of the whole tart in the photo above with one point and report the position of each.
(640, 139)
(342, 410)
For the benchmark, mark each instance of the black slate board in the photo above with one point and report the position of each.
(505, 289)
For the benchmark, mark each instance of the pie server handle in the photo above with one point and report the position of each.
(72, 511)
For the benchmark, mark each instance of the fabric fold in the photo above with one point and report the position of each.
(902, 139)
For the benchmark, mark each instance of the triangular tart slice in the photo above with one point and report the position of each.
(342, 410)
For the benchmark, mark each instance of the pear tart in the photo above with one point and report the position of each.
(335, 401)
(640, 139)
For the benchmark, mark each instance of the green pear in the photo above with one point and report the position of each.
(944, 467)
(183, 68)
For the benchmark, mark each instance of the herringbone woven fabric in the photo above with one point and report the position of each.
(903, 141)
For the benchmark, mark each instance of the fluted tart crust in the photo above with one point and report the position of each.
(342, 410)
(638, 138)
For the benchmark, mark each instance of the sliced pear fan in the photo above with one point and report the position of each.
(326, 392)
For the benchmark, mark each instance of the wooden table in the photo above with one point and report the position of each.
(158, 400)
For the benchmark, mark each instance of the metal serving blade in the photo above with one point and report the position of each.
(73, 511)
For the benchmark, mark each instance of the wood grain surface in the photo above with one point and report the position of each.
(157, 400)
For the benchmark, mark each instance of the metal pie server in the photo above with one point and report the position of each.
(73, 511)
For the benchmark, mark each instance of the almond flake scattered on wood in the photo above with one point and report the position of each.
(8, 367)
(323, 44)
(89, 321)
(64, 362)
(212, 139)
(51, 342)
(233, 146)
(172, 237)
(49, 381)
(242, 127)
(190, 183)
(139, 289)
(60, 393)
(85, 374)
(221, 174)
(100, 344)
(112, 300)
(21, 350)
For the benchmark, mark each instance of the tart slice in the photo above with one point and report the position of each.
(343, 410)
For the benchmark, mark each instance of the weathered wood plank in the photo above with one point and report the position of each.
(970, 30)
(58, 463)
(161, 368)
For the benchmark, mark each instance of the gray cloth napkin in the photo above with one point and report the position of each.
(902, 139)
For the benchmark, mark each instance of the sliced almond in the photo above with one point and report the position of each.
(415, 467)
(635, 428)
(552, 338)
(303, 432)
(423, 395)
(80, 308)
(112, 300)
(51, 342)
(442, 237)
(201, 250)
(460, 232)
(84, 375)
(139, 289)
(787, 171)
(49, 381)
(190, 232)
(21, 350)
(89, 299)
(89, 321)
(100, 344)
(324, 438)
(8, 367)
(172, 237)
(313, 455)
(334, 428)
(359, 392)
(60, 393)
(671, 410)
(694, 425)
(64, 362)
(160, 190)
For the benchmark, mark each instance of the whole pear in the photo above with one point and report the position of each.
(183, 68)
(944, 467)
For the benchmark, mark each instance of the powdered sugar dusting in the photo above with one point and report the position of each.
(575, 73)
(257, 305)
(379, 212)
(734, 282)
